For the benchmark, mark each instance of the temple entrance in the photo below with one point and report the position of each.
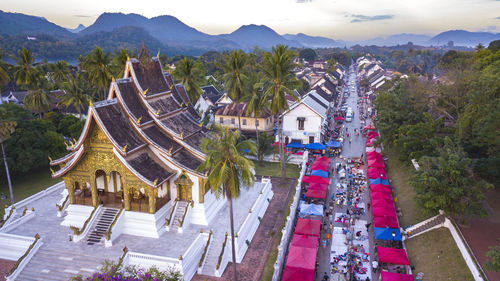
(83, 195)
(139, 201)
(109, 189)
(184, 184)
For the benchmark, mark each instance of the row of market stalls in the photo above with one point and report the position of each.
(391, 254)
(301, 260)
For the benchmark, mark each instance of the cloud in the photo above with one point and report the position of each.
(307, 1)
(82, 16)
(361, 18)
(497, 18)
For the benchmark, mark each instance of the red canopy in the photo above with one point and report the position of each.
(372, 134)
(323, 159)
(392, 255)
(376, 163)
(382, 203)
(300, 264)
(369, 127)
(380, 188)
(375, 173)
(305, 241)
(392, 276)
(339, 118)
(308, 227)
(386, 221)
(314, 193)
(384, 211)
(323, 166)
(297, 274)
(373, 155)
(315, 179)
(317, 186)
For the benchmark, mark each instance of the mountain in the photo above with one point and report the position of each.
(464, 38)
(16, 23)
(79, 28)
(249, 36)
(396, 39)
(313, 41)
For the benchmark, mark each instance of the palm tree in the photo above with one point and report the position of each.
(6, 129)
(279, 82)
(98, 66)
(38, 100)
(25, 73)
(234, 66)
(191, 74)
(59, 71)
(258, 101)
(119, 61)
(76, 94)
(229, 169)
(4, 76)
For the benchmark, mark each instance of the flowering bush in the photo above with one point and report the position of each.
(111, 271)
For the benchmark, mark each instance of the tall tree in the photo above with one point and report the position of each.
(119, 61)
(258, 101)
(279, 81)
(6, 129)
(4, 75)
(24, 71)
(192, 75)
(98, 67)
(229, 169)
(39, 99)
(76, 95)
(234, 66)
(59, 71)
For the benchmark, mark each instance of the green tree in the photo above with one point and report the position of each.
(279, 81)
(308, 54)
(76, 95)
(119, 61)
(4, 75)
(39, 99)
(97, 65)
(59, 71)
(235, 67)
(229, 169)
(493, 264)
(494, 46)
(6, 129)
(258, 100)
(70, 126)
(191, 74)
(447, 183)
(265, 146)
(331, 65)
(24, 71)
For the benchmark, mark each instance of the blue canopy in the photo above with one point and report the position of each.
(295, 145)
(310, 209)
(378, 181)
(246, 150)
(386, 233)
(315, 146)
(334, 144)
(323, 174)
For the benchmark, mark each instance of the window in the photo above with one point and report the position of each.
(245, 122)
(221, 120)
(232, 121)
(301, 124)
(311, 139)
(257, 122)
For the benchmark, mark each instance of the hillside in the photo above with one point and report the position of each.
(16, 23)
(312, 41)
(464, 38)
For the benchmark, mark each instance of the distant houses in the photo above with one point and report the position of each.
(229, 114)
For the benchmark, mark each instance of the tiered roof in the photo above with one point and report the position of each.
(145, 112)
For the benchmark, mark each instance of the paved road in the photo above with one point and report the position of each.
(353, 149)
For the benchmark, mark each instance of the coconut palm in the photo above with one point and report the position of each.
(98, 67)
(59, 71)
(76, 94)
(4, 76)
(279, 81)
(229, 169)
(234, 66)
(24, 71)
(6, 129)
(191, 75)
(39, 99)
(258, 101)
(119, 61)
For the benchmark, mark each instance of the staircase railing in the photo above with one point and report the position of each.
(60, 208)
(109, 232)
(222, 260)
(168, 221)
(11, 212)
(186, 211)
(24, 259)
(204, 254)
(79, 233)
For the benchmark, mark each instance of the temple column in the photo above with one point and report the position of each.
(70, 185)
(126, 196)
(201, 189)
(152, 199)
(93, 189)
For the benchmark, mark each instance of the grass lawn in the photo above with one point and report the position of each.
(399, 172)
(436, 255)
(273, 169)
(25, 186)
(267, 275)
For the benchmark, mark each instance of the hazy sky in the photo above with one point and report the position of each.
(340, 19)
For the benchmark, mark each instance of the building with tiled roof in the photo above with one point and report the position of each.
(228, 116)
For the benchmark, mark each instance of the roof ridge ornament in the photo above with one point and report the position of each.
(157, 113)
(182, 134)
(50, 158)
(52, 171)
(139, 120)
(145, 91)
(158, 54)
(170, 150)
(124, 149)
(155, 182)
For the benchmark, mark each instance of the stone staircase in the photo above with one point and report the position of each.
(101, 225)
(424, 226)
(213, 253)
(179, 214)
(50, 264)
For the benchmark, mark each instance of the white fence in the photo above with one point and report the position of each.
(287, 231)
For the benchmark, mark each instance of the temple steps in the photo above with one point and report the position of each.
(101, 225)
(50, 264)
(213, 254)
(179, 214)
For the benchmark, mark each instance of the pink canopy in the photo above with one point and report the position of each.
(314, 193)
(375, 195)
(304, 241)
(375, 173)
(384, 211)
(323, 159)
(376, 163)
(300, 264)
(297, 274)
(392, 255)
(392, 276)
(317, 186)
(380, 188)
(386, 221)
(323, 166)
(369, 127)
(339, 118)
(382, 203)
(373, 155)
(372, 134)
(308, 227)
(315, 179)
